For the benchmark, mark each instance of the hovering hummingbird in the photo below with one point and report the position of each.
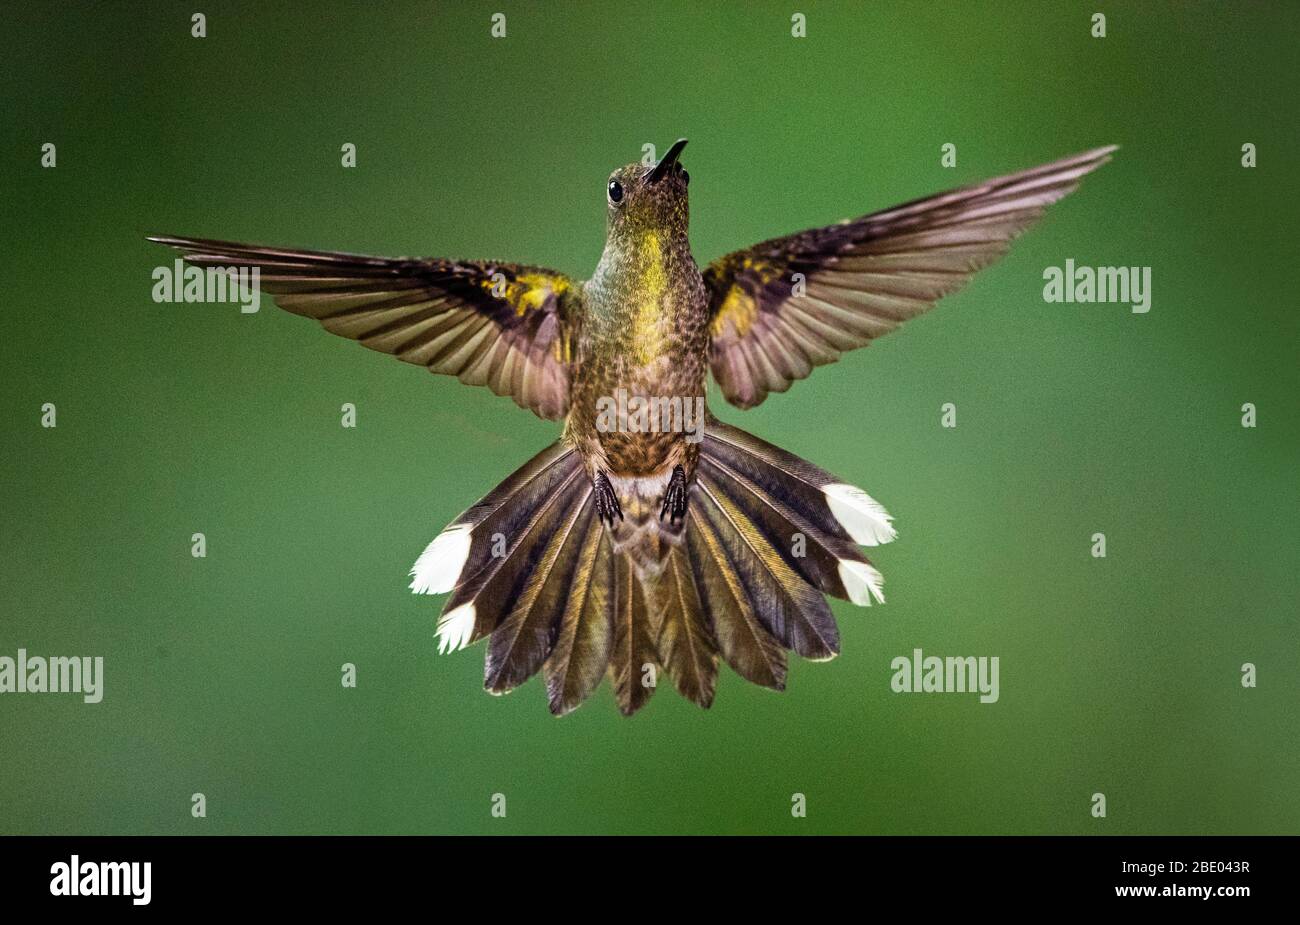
(623, 549)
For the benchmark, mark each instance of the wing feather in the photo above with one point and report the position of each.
(785, 306)
(502, 325)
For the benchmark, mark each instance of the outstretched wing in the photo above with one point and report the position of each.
(501, 325)
(785, 306)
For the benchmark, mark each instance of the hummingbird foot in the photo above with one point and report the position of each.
(607, 506)
(675, 497)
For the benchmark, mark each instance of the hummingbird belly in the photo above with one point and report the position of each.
(645, 419)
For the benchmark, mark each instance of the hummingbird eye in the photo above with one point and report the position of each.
(686, 177)
(615, 192)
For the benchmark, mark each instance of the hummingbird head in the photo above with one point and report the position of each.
(644, 200)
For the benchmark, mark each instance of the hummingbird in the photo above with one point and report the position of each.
(636, 544)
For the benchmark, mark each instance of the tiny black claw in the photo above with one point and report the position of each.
(675, 497)
(607, 506)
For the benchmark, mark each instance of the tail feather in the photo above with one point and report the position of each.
(490, 594)
(586, 629)
(682, 633)
(793, 611)
(633, 662)
(743, 641)
(463, 550)
(838, 510)
(523, 640)
(821, 559)
(787, 495)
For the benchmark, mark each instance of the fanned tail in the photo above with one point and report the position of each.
(767, 534)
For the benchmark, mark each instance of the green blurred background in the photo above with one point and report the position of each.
(1119, 675)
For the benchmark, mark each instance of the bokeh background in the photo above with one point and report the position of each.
(1119, 675)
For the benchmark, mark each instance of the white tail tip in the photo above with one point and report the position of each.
(862, 517)
(439, 566)
(862, 582)
(455, 628)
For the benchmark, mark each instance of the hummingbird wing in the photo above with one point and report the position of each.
(785, 306)
(501, 325)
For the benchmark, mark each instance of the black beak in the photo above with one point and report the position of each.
(659, 170)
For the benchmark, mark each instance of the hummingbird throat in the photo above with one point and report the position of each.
(639, 279)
